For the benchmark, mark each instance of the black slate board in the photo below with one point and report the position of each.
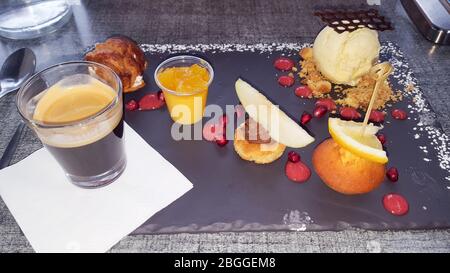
(230, 194)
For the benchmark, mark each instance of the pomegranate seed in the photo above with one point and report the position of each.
(150, 102)
(349, 113)
(319, 111)
(222, 141)
(212, 131)
(286, 81)
(161, 96)
(131, 105)
(327, 103)
(381, 138)
(223, 120)
(376, 116)
(305, 118)
(283, 64)
(392, 174)
(297, 172)
(293, 157)
(303, 92)
(399, 114)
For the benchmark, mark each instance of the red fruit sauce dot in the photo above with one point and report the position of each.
(319, 111)
(286, 81)
(395, 204)
(381, 138)
(222, 141)
(327, 103)
(131, 105)
(293, 157)
(212, 131)
(349, 113)
(305, 118)
(297, 172)
(376, 116)
(392, 174)
(399, 114)
(150, 102)
(283, 64)
(303, 92)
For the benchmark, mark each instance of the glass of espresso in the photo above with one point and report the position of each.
(76, 110)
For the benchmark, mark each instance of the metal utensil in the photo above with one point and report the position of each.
(431, 17)
(18, 67)
(12, 146)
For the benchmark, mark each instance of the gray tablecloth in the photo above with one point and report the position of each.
(244, 21)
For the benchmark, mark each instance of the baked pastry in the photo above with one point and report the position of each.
(345, 172)
(124, 56)
(253, 143)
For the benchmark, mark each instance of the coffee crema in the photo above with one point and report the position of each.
(68, 103)
(74, 99)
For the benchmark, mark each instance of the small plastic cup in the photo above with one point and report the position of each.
(185, 107)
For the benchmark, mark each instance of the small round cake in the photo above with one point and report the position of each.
(260, 153)
(345, 172)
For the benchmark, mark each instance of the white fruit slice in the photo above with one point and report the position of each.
(281, 128)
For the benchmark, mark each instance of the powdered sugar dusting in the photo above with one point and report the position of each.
(220, 48)
(297, 221)
(427, 123)
(427, 126)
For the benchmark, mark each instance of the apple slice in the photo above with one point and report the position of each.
(281, 128)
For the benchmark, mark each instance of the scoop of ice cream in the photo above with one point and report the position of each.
(344, 57)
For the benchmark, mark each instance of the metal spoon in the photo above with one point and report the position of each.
(18, 67)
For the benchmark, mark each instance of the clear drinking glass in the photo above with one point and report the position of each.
(26, 19)
(89, 149)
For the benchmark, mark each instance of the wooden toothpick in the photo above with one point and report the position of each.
(381, 72)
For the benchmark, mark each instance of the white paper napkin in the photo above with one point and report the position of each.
(57, 216)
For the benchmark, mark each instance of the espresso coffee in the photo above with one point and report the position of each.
(85, 126)
(92, 159)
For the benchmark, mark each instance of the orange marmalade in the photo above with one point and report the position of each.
(185, 91)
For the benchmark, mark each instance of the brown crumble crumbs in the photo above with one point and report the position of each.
(354, 96)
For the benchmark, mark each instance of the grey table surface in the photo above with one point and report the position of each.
(244, 21)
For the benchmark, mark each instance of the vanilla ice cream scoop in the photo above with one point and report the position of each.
(344, 57)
